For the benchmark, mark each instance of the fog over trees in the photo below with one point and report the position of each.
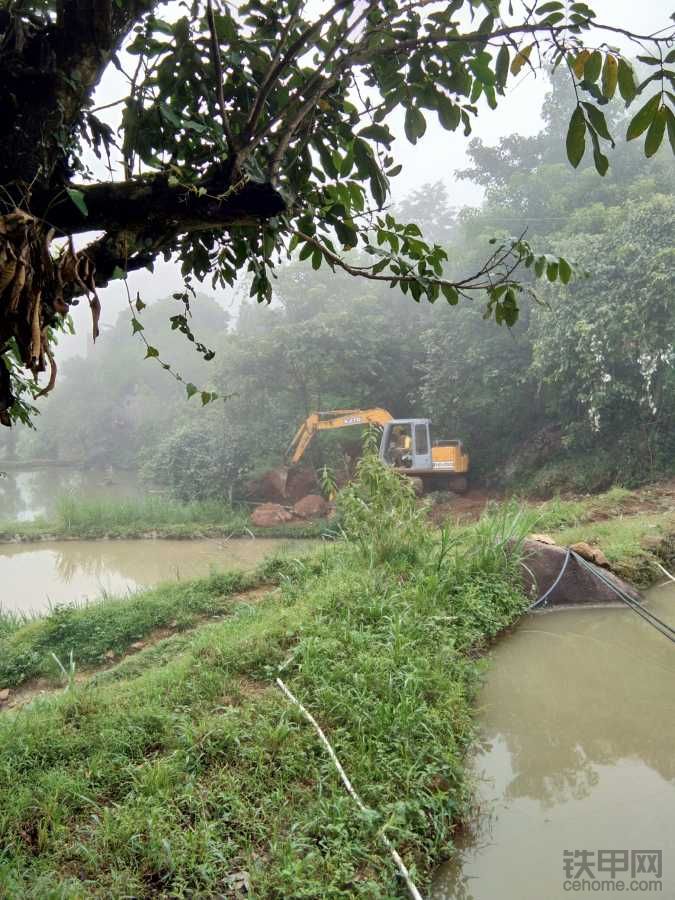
(581, 390)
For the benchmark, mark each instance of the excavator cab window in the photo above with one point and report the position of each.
(398, 451)
(421, 439)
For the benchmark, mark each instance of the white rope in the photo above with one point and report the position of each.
(665, 572)
(414, 893)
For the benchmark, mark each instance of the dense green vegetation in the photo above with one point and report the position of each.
(79, 516)
(253, 129)
(31, 648)
(578, 395)
(180, 767)
(185, 766)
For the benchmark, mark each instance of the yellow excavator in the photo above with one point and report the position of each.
(406, 445)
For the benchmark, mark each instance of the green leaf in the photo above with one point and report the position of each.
(600, 161)
(580, 62)
(151, 352)
(502, 65)
(552, 271)
(576, 137)
(449, 114)
(656, 132)
(78, 199)
(627, 86)
(317, 257)
(190, 390)
(564, 270)
(610, 75)
(593, 66)
(670, 122)
(379, 187)
(450, 293)
(139, 303)
(346, 234)
(520, 59)
(306, 251)
(136, 326)
(415, 124)
(643, 118)
(597, 119)
(378, 133)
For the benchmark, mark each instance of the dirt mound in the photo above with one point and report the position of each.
(269, 487)
(465, 508)
(541, 566)
(301, 482)
(312, 506)
(282, 484)
(592, 554)
(268, 514)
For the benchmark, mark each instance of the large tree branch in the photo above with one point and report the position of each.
(144, 218)
(157, 203)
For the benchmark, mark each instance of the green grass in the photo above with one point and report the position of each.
(78, 516)
(174, 772)
(564, 513)
(632, 541)
(111, 624)
(632, 544)
(184, 766)
(77, 513)
(11, 621)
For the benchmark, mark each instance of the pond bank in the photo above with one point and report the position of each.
(146, 517)
(38, 576)
(37, 532)
(380, 636)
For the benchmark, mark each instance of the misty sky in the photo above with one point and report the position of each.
(437, 156)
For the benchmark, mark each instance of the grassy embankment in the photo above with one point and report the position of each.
(80, 517)
(181, 768)
(634, 529)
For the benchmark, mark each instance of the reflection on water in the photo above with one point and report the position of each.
(578, 725)
(27, 494)
(35, 576)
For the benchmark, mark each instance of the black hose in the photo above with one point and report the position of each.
(663, 627)
(547, 593)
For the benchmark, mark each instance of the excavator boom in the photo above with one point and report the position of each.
(334, 418)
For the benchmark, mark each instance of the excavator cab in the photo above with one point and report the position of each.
(406, 444)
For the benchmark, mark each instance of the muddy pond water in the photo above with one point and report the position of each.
(28, 493)
(34, 576)
(577, 764)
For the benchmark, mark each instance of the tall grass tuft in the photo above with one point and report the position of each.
(379, 513)
(11, 621)
(77, 513)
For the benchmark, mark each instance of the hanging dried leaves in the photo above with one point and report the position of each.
(36, 286)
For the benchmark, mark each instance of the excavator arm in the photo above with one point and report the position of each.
(334, 418)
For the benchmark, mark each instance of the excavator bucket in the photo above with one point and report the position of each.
(279, 478)
(269, 487)
(284, 485)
